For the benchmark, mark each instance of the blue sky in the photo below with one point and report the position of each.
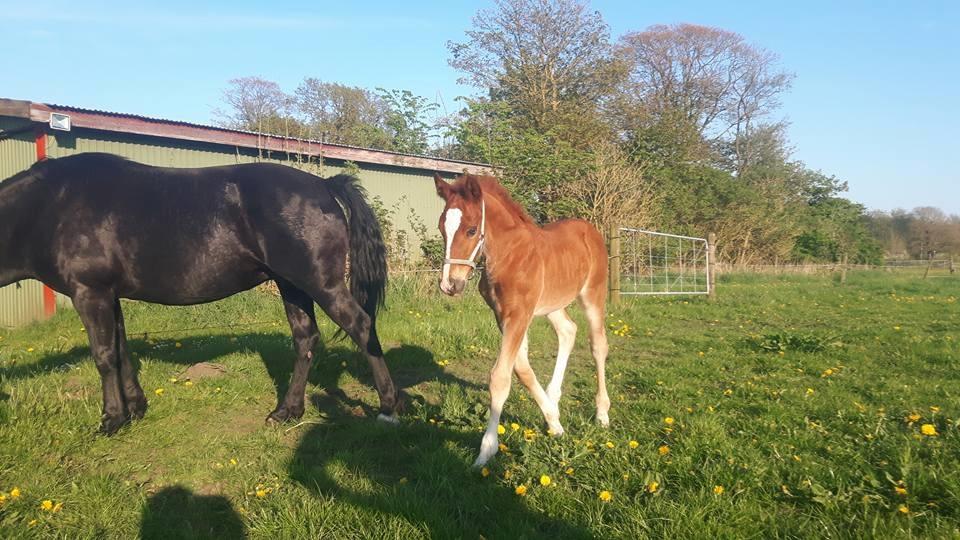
(874, 102)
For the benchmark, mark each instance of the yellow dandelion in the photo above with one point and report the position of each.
(610, 444)
(3, 498)
(633, 444)
(158, 391)
(188, 383)
(46, 505)
(928, 429)
(900, 490)
(233, 461)
(31, 523)
(903, 509)
(500, 429)
(521, 490)
(484, 472)
(173, 380)
(569, 470)
(606, 496)
(809, 391)
(15, 493)
(668, 420)
(718, 490)
(897, 328)
(261, 493)
(663, 450)
(652, 487)
(913, 417)
(545, 480)
(827, 372)
(29, 349)
(514, 426)
(728, 392)
(934, 409)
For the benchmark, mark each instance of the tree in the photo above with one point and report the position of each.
(255, 104)
(707, 77)
(405, 120)
(613, 191)
(547, 59)
(343, 114)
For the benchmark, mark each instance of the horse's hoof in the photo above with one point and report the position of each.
(391, 419)
(137, 408)
(282, 414)
(111, 424)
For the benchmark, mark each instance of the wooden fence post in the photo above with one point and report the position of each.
(843, 270)
(614, 282)
(712, 265)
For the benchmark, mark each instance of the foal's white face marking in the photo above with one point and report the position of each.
(450, 226)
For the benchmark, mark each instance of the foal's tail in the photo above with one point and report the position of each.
(368, 254)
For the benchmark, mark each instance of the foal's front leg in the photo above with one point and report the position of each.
(514, 330)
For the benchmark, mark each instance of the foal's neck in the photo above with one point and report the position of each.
(502, 225)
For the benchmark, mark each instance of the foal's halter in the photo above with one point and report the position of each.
(483, 222)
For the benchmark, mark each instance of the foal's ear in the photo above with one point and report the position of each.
(472, 187)
(443, 188)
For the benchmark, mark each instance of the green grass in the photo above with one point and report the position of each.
(793, 393)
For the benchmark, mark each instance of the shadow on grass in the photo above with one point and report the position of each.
(176, 512)
(417, 473)
(409, 364)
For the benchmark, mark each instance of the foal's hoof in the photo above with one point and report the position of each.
(282, 414)
(388, 419)
(111, 424)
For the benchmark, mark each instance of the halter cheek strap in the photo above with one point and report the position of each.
(476, 251)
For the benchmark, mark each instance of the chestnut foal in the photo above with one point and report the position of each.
(529, 271)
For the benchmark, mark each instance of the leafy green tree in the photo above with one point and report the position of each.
(406, 120)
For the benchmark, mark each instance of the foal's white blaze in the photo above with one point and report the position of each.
(450, 226)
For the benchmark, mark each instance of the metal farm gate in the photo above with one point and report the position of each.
(654, 263)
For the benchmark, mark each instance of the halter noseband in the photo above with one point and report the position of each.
(483, 222)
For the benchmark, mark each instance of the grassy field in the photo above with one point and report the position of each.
(789, 407)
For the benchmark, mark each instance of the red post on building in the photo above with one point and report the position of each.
(49, 297)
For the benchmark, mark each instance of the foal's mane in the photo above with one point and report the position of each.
(491, 186)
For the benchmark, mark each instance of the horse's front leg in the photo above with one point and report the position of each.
(97, 312)
(514, 329)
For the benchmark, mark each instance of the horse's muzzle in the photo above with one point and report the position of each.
(453, 287)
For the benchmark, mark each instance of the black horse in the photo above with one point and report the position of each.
(98, 228)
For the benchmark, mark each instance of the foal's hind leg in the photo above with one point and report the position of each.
(97, 312)
(303, 327)
(551, 413)
(566, 335)
(340, 306)
(594, 301)
(136, 402)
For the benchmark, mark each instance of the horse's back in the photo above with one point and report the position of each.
(172, 235)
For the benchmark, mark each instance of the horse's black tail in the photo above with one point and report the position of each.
(368, 253)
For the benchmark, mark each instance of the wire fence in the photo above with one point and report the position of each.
(656, 263)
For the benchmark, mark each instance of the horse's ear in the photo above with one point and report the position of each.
(443, 188)
(472, 186)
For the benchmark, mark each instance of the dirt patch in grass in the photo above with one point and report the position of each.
(204, 370)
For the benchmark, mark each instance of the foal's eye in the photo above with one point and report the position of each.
(471, 231)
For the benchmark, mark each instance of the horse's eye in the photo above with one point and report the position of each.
(471, 231)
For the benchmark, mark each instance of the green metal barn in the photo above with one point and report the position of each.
(31, 131)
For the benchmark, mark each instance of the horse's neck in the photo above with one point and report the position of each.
(12, 263)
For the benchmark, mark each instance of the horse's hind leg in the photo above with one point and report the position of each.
(136, 402)
(98, 314)
(566, 335)
(303, 327)
(340, 306)
(594, 302)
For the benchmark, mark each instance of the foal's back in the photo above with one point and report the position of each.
(574, 259)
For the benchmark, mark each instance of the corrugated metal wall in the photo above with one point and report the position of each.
(18, 153)
(408, 193)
